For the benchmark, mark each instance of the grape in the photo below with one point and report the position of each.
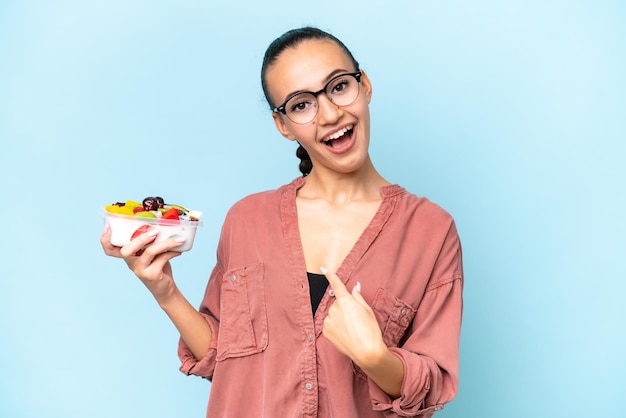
(160, 201)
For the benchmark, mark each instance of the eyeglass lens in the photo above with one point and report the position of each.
(342, 91)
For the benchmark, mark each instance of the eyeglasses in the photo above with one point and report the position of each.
(301, 108)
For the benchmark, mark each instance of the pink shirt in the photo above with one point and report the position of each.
(269, 357)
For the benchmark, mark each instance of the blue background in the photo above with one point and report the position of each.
(511, 115)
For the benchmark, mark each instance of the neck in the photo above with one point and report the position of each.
(341, 188)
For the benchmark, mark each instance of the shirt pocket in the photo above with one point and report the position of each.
(243, 313)
(393, 315)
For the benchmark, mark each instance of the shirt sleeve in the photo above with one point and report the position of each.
(210, 311)
(430, 352)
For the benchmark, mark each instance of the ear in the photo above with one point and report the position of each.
(366, 83)
(282, 128)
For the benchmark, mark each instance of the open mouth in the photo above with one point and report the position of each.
(339, 138)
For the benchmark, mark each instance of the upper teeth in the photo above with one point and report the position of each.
(338, 134)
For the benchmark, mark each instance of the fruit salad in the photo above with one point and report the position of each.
(131, 218)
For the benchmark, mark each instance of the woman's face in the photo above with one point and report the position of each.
(338, 138)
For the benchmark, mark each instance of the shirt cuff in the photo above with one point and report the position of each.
(409, 404)
(203, 367)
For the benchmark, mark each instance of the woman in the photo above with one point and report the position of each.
(336, 295)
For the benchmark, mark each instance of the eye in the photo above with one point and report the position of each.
(340, 85)
(301, 103)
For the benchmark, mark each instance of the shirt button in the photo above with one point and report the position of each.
(331, 293)
(438, 408)
(403, 312)
(308, 386)
(233, 278)
(309, 337)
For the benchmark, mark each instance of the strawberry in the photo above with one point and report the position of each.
(171, 213)
(141, 230)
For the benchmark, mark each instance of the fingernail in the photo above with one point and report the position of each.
(106, 227)
(180, 239)
(323, 270)
(152, 232)
(358, 287)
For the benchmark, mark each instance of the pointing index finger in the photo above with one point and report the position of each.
(335, 282)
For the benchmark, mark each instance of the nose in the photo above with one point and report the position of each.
(327, 111)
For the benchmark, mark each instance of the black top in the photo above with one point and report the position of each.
(317, 285)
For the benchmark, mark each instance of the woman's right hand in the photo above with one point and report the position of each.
(149, 262)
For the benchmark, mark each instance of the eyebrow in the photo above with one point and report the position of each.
(328, 77)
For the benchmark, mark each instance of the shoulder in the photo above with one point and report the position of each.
(426, 224)
(421, 209)
(419, 220)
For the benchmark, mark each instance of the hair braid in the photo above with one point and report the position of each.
(306, 165)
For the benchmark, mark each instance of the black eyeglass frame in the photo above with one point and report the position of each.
(282, 108)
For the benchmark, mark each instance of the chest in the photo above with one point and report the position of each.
(328, 234)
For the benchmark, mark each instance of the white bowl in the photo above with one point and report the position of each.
(124, 226)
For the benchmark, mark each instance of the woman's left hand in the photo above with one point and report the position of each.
(351, 325)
